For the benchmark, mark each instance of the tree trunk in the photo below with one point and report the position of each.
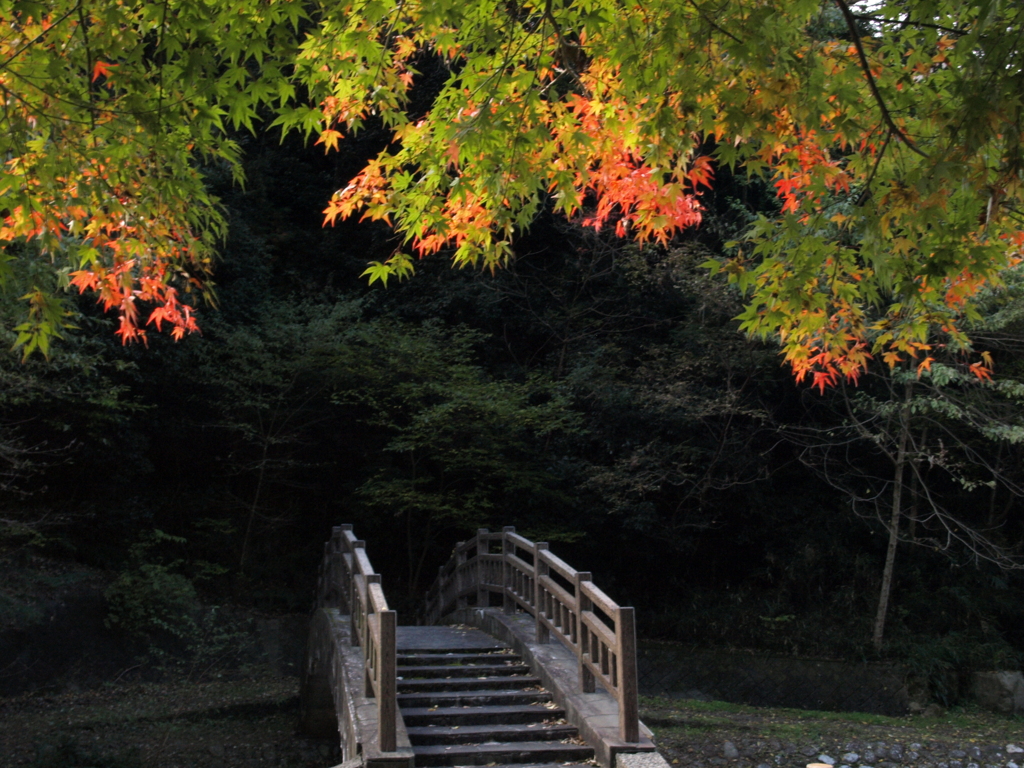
(254, 506)
(915, 486)
(894, 521)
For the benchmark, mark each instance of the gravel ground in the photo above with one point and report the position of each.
(250, 722)
(772, 753)
(696, 735)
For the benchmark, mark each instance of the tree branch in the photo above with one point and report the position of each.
(923, 24)
(864, 65)
(878, 161)
(712, 24)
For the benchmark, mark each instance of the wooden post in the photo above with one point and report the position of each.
(508, 605)
(442, 596)
(459, 575)
(367, 609)
(334, 585)
(337, 576)
(629, 708)
(352, 602)
(483, 547)
(371, 657)
(387, 669)
(324, 582)
(539, 599)
(355, 608)
(582, 640)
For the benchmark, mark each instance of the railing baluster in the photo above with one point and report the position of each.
(540, 599)
(483, 545)
(581, 634)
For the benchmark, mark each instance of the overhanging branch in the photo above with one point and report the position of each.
(851, 23)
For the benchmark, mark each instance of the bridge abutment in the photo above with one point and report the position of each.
(333, 700)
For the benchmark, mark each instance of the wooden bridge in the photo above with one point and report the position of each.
(523, 662)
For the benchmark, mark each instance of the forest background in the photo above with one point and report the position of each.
(595, 394)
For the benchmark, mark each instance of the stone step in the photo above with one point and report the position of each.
(452, 657)
(481, 650)
(462, 670)
(476, 734)
(471, 698)
(482, 715)
(441, 684)
(485, 754)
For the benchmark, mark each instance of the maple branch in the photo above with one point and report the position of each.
(924, 24)
(160, 70)
(36, 39)
(499, 72)
(871, 177)
(29, 107)
(89, 73)
(386, 41)
(864, 65)
(550, 16)
(712, 24)
(563, 46)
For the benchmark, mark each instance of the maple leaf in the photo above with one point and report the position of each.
(329, 138)
(981, 370)
(825, 378)
(399, 265)
(101, 69)
(701, 172)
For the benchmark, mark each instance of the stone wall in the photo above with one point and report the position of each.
(999, 691)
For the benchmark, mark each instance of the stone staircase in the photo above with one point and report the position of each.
(481, 707)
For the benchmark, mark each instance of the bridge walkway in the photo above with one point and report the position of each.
(468, 699)
(547, 678)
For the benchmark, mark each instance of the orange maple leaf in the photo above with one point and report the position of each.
(101, 69)
(329, 138)
(981, 371)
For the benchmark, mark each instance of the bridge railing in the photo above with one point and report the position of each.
(563, 601)
(347, 580)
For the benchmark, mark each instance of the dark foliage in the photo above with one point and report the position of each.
(593, 394)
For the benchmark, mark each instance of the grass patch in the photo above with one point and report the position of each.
(682, 719)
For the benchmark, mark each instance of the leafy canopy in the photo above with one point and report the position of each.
(890, 130)
(892, 136)
(108, 110)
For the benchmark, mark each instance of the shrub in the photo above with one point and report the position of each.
(151, 603)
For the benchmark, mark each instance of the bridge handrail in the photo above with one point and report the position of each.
(347, 580)
(563, 601)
